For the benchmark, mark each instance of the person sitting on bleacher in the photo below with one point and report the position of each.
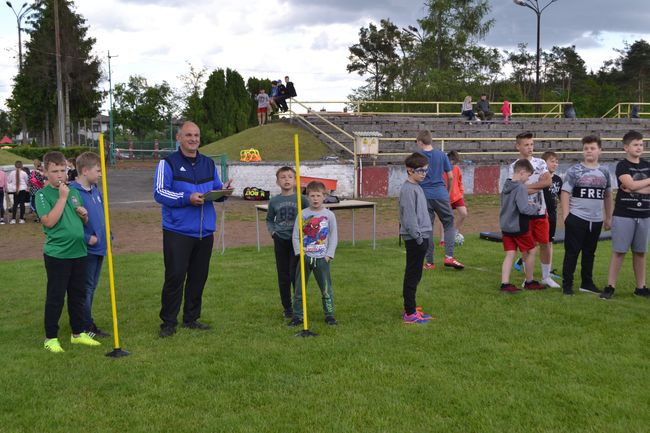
(483, 108)
(467, 109)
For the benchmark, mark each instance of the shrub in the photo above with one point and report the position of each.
(30, 152)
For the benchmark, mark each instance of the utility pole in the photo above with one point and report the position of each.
(59, 84)
(111, 144)
(534, 6)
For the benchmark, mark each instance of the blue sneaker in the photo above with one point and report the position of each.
(519, 265)
(420, 313)
(413, 319)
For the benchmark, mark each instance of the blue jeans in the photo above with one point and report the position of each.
(93, 270)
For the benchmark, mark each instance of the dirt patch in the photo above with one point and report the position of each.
(137, 226)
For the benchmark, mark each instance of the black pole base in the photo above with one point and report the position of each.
(306, 333)
(118, 353)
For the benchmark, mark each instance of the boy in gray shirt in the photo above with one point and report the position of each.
(280, 219)
(514, 220)
(416, 230)
(587, 186)
(319, 245)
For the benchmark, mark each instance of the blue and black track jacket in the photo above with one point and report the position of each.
(177, 178)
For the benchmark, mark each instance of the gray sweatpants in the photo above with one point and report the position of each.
(442, 208)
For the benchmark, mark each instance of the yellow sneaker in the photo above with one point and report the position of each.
(53, 345)
(84, 339)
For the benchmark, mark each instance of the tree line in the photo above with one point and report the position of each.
(441, 58)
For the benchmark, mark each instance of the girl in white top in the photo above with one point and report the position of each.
(18, 185)
(467, 110)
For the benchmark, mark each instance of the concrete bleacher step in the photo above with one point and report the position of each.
(478, 135)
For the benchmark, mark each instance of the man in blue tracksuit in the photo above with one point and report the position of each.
(188, 226)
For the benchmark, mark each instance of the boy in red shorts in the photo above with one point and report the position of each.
(539, 227)
(514, 221)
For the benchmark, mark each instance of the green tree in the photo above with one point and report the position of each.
(376, 55)
(214, 103)
(238, 102)
(564, 68)
(634, 64)
(142, 109)
(34, 89)
(5, 124)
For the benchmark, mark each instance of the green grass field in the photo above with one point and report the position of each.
(274, 141)
(532, 362)
(8, 158)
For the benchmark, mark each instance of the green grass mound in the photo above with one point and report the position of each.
(489, 362)
(274, 142)
(8, 158)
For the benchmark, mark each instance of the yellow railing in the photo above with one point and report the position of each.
(443, 141)
(624, 109)
(438, 108)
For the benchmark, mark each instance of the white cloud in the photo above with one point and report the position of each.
(306, 40)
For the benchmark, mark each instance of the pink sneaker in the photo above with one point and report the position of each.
(429, 266)
(422, 315)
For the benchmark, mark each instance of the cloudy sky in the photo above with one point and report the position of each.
(307, 39)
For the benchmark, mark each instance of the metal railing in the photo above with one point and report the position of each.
(624, 109)
(444, 141)
(437, 108)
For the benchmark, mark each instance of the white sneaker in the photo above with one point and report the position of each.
(12, 222)
(21, 221)
(2, 221)
(550, 282)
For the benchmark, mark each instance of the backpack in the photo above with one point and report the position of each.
(34, 181)
(256, 194)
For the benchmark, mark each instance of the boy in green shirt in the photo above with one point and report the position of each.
(63, 216)
(283, 210)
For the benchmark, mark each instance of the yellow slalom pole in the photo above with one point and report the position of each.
(117, 352)
(305, 331)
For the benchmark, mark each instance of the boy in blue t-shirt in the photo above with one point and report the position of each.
(89, 173)
(437, 195)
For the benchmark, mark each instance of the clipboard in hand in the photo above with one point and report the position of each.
(216, 194)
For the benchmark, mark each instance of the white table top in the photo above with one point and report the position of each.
(343, 204)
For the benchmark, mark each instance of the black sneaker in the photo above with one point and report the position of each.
(288, 314)
(590, 288)
(167, 331)
(608, 292)
(295, 322)
(567, 290)
(330, 320)
(98, 332)
(643, 292)
(196, 325)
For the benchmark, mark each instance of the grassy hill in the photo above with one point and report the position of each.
(8, 158)
(274, 142)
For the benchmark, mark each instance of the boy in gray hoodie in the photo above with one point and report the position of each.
(515, 228)
(416, 230)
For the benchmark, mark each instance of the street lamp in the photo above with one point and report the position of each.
(24, 9)
(533, 5)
